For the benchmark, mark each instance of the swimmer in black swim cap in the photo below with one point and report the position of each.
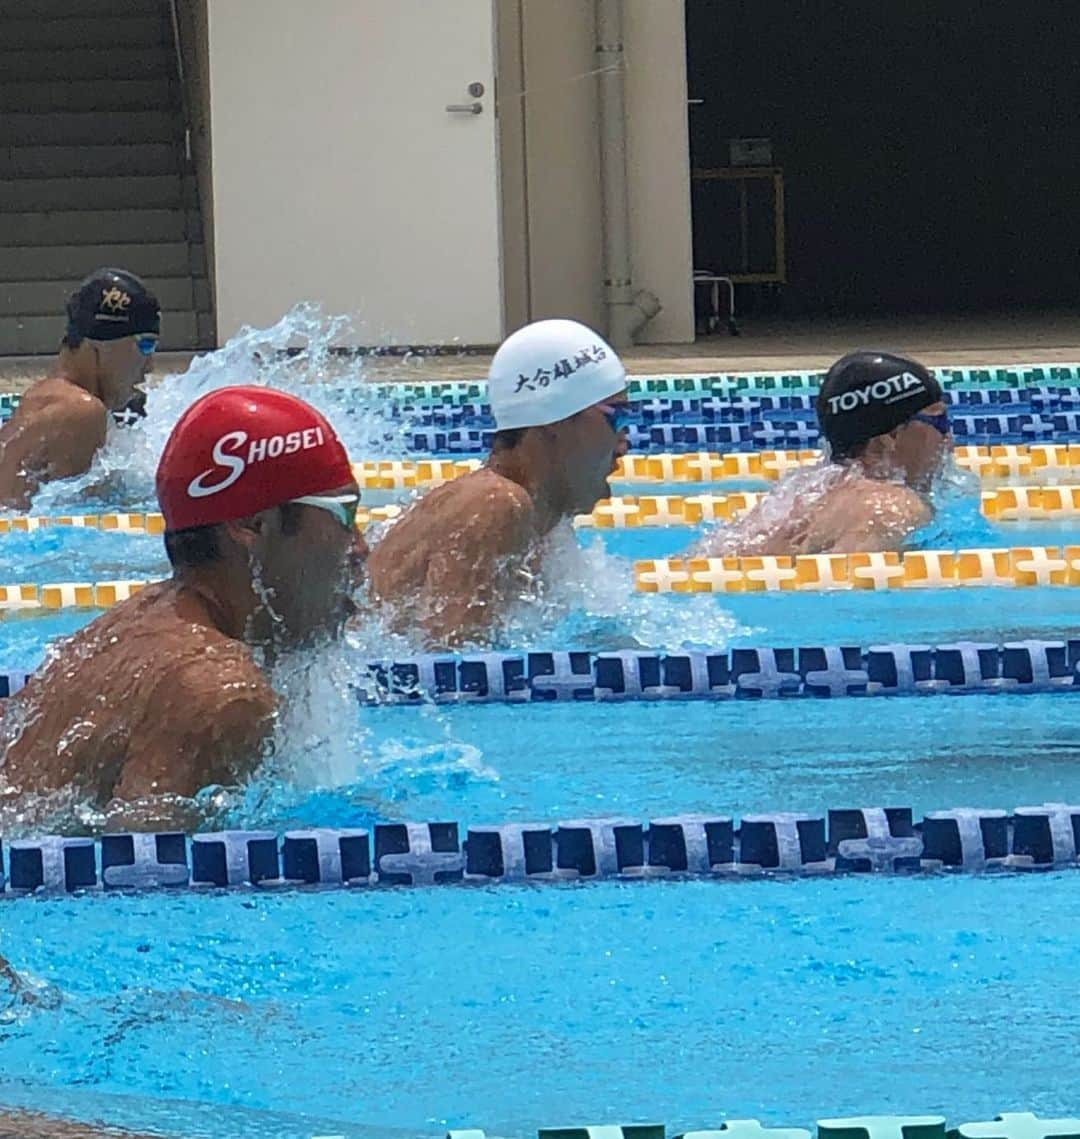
(886, 434)
(113, 323)
(874, 405)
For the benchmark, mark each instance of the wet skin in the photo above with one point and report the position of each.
(453, 564)
(60, 422)
(168, 692)
(874, 503)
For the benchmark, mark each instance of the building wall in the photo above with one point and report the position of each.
(549, 123)
(194, 37)
(551, 207)
(659, 163)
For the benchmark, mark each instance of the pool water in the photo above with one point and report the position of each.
(400, 1012)
(510, 1008)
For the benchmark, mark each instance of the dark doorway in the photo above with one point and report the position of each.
(930, 149)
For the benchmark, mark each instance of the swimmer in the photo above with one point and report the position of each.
(27, 1125)
(887, 434)
(169, 692)
(454, 563)
(60, 422)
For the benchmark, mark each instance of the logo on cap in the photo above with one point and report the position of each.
(114, 304)
(560, 369)
(232, 465)
(892, 390)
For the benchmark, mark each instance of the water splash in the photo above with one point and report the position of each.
(779, 523)
(296, 355)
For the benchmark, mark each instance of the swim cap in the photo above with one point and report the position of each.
(240, 450)
(869, 393)
(550, 370)
(111, 304)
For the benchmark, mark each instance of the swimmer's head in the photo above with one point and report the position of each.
(259, 473)
(113, 324)
(562, 378)
(877, 401)
(550, 370)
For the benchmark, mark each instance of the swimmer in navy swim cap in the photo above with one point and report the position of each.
(886, 433)
(168, 692)
(453, 565)
(108, 348)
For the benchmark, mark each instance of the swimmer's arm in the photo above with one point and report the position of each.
(210, 727)
(469, 584)
(882, 520)
(54, 441)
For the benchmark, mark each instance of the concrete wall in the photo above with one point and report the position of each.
(549, 121)
(551, 208)
(659, 163)
(194, 38)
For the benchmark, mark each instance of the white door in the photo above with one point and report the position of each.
(340, 173)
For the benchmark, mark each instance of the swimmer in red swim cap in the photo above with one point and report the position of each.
(167, 693)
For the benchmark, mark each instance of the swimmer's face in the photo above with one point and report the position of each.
(311, 560)
(591, 444)
(123, 365)
(920, 448)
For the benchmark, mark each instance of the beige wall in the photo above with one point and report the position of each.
(562, 161)
(658, 157)
(194, 36)
(513, 191)
(552, 210)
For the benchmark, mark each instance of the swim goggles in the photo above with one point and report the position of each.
(618, 415)
(939, 422)
(147, 345)
(342, 506)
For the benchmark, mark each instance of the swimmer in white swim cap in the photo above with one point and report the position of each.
(453, 562)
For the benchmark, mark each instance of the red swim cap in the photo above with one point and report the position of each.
(240, 450)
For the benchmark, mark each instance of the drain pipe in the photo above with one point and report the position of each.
(627, 310)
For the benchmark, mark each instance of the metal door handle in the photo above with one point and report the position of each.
(465, 108)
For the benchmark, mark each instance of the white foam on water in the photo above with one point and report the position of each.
(122, 474)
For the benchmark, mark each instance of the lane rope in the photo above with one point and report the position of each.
(884, 840)
(629, 675)
(1007, 567)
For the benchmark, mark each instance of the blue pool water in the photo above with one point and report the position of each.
(509, 1008)
(401, 1012)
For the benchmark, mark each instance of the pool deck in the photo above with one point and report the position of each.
(764, 346)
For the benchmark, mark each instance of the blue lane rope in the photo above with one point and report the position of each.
(1007, 1125)
(850, 840)
(759, 435)
(1034, 403)
(813, 671)
(1032, 666)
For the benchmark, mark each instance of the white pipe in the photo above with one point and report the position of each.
(627, 310)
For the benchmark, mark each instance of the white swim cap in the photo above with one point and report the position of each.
(550, 370)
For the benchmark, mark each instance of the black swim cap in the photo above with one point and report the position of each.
(111, 304)
(869, 393)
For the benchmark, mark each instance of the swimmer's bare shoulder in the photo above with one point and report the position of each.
(481, 511)
(444, 566)
(871, 515)
(206, 717)
(54, 433)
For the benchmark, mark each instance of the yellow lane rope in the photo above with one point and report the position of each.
(1006, 504)
(919, 569)
(1037, 464)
